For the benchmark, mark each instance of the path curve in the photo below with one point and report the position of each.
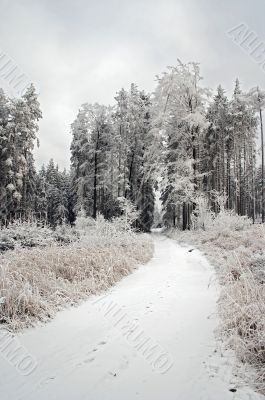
(88, 353)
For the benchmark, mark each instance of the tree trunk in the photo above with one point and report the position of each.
(262, 166)
(95, 178)
(184, 216)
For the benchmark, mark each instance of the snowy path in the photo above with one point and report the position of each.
(85, 352)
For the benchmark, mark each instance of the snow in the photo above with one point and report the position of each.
(82, 354)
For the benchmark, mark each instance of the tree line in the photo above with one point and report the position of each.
(181, 141)
(210, 146)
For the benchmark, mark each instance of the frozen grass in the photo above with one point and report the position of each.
(37, 282)
(237, 249)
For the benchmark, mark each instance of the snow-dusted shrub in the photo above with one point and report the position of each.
(65, 234)
(129, 215)
(26, 234)
(84, 223)
(90, 232)
(202, 217)
(101, 232)
(34, 234)
(257, 266)
(225, 221)
(228, 220)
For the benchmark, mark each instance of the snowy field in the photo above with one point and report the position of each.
(93, 352)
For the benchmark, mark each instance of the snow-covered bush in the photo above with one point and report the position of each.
(202, 217)
(65, 234)
(26, 234)
(224, 221)
(228, 220)
(87, 231)
(83, 223)
(101, 232)
(129, 215)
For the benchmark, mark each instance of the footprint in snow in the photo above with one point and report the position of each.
(124, 364)
(85, 361)
(90, 359)
(46, 381)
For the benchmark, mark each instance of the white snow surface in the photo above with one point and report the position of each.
(82, 355)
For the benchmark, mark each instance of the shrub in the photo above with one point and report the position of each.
(26, 234)
(227, 221)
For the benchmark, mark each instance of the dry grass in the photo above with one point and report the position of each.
(239, 258)
(35, 283)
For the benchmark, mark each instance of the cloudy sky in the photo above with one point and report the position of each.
(84, 51)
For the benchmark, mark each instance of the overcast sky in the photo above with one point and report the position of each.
(85, 51)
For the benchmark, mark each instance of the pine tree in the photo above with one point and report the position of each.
(41, 204)
(182, 101)
(18, 132)
(90, 153)
(256, 98)
(218, 145)
(244, 124)
(5, 157)
(79, 167)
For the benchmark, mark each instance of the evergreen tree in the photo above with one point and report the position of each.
(18, 132)
(183, 123)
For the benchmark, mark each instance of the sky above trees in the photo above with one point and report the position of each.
(84, 51)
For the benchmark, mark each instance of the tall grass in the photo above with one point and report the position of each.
(237, 249)
(36, 282)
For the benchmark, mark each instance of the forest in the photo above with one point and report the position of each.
(188, 145)
(183, 163)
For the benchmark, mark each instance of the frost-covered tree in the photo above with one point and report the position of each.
(18, 133)
(176, 141)
(218, 144)
(6, 152)
(90, 154)
(181, 99)
(57, 194)
(139, 157)
(41, 195)
(110, 157)
(243, 129)
(256, 98)
(80, 139)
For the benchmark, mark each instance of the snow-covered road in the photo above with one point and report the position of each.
(89, 353)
